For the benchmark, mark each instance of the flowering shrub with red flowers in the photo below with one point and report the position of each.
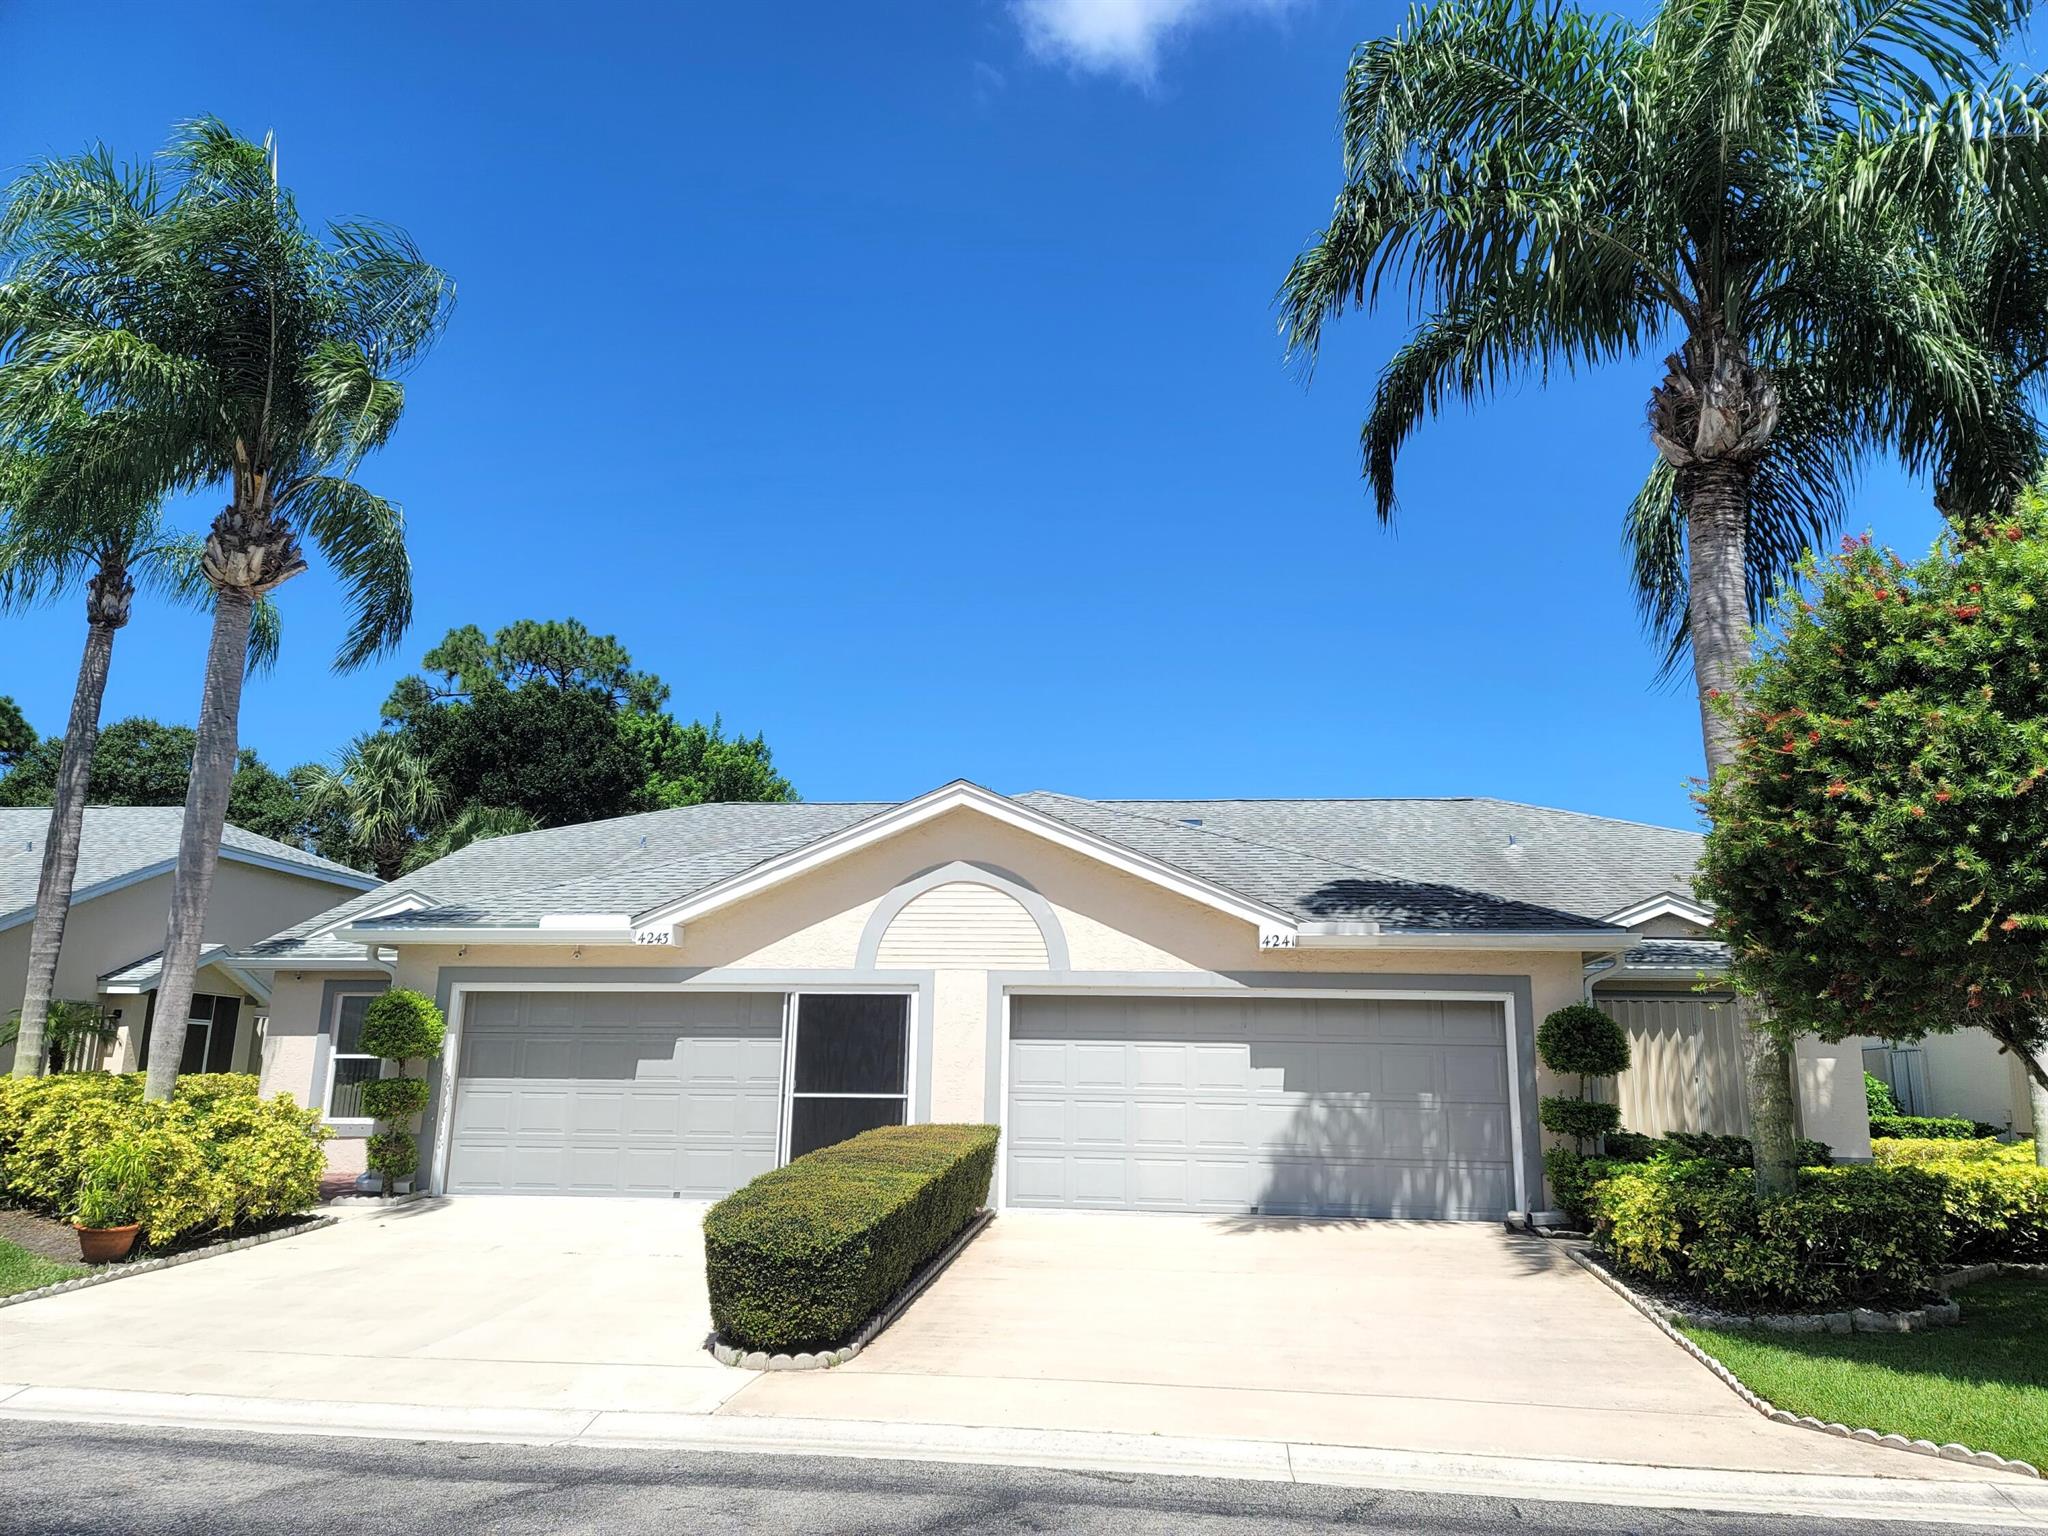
(1879, 848)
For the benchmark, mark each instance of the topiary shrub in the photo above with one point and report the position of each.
(400, 1025)
(395, 1098)
(394, 1154)
(1581, 1119)
(803, 1256)
(403, 1025)
(1578, 1040)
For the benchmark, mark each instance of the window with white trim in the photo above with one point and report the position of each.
(349, 1066)
(850, 1068)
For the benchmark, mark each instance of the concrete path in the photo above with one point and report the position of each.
(1398, 1355)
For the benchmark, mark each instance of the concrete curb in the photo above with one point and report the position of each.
(1996, 1502)
(1660, 1315)
(122, 1271)
(825, 1359)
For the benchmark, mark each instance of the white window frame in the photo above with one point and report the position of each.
(792, 1031)
(334, 1057)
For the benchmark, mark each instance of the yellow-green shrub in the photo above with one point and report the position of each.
(1845, 1236)
(1925, 1151)
(218, 1155)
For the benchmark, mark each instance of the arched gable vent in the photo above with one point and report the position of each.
(964, 917)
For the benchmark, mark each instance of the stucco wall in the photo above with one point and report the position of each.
(109, 932)
(1968, 1075)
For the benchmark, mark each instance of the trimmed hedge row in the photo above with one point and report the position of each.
(1926, 1127)
(217, 1155)
(804, 1255)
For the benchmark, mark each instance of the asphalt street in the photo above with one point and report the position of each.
(63, 1478)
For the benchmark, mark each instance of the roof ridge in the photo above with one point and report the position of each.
(1253, 842)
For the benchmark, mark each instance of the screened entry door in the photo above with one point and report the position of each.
(849, 1068)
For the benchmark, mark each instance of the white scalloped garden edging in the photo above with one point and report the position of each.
(825, 1359)
(109, 1273)
(1660, 1314)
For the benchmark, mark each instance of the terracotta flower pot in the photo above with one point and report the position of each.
(106, 1245)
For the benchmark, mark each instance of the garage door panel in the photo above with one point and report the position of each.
(1290, 1106)
(616, 1093)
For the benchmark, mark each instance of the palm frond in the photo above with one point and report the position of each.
(363, 537)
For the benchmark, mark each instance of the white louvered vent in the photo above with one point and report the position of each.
(963, 926)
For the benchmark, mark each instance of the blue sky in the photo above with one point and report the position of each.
(902, 381)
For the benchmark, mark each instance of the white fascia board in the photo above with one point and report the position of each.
(961, 795)
(1590, 943)
(370, 933)
(1663, 904)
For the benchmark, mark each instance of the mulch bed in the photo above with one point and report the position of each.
(39, 1235)
(58, 1240)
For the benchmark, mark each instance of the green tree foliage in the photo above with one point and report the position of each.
(17, 736)
(549, 721)
(139, 761)
(1879, 851)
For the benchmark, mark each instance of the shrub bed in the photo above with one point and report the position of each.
(217, 1155)
(1573, 1177)
(1925, 1127)
(1994, 1193)
(1845, 1237)
(801, 1257)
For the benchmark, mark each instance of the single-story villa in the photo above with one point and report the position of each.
(1254, 1006)
(115, 931)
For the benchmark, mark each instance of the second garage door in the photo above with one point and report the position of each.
(1276, 1106)
(616, 1093)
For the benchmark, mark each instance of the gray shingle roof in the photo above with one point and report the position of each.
(1686, 955)
(1416, 866)
(127, 842)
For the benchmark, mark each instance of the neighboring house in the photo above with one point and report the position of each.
(119, 905)
(1265, 1006)
(1964, 1074)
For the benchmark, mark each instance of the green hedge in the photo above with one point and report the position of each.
(1928, 1127)
(801, 1257)
(1846, 1237)
(1572, 1176)
(218, 1155)
(1994, 1194)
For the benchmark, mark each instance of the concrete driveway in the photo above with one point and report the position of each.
(479, 1303)
(1424, 1336)
(545, 1315)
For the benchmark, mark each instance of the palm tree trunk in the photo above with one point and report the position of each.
(206, 812)
(1717, 527)
(60, 845)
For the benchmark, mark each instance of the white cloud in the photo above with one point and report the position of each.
(1120, 36)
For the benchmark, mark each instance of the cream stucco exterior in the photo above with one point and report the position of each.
(1967, 1075)
(111, 931)
(848, 923)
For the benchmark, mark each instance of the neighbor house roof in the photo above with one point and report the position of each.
(122, 844)
(1439, 868)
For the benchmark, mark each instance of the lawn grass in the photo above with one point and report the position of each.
(1982, 1383)
(21, 1270)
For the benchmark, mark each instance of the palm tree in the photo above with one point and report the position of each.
(1555, 190)
(250, 353)
(57, 534)
(381, 791)
(472, 824)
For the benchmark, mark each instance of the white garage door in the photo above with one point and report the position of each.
(1311, 1107)
(616, 1093)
